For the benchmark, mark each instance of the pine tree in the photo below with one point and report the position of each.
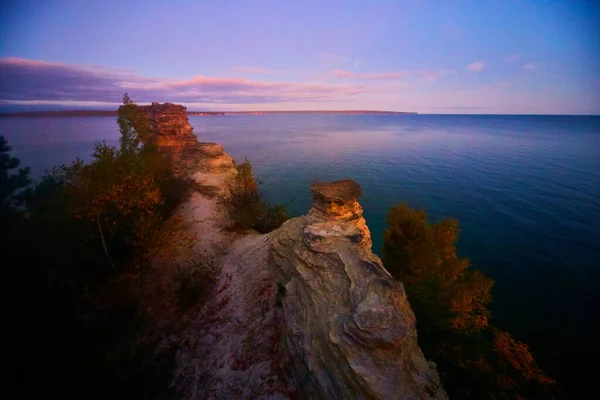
(449, 298)
(10, 184)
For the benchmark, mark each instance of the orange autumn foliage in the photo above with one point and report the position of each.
(440, 283)
(449, 298)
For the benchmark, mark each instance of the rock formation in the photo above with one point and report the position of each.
(173, 134)
(348, 324)
(168, 120)
(306, 311)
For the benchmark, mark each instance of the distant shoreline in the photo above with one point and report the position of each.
(113, 113)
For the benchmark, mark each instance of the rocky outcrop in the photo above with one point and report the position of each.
(348, 324)
(214, 169)
(168, 120)
(173, 134)
(306, 311)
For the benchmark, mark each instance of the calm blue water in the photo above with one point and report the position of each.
(525, 189)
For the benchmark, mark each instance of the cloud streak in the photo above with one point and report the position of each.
(329, 60)
(476, 66)
(256, 71)
(430, 76)
(531, 66)
(26, 80)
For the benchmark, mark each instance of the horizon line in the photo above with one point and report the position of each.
(111, 112)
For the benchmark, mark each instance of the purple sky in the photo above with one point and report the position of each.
(446, 56)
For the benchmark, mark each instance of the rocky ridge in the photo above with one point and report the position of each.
(306, 311)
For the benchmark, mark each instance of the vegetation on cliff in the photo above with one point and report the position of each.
(81, 249)
(475, 359)
(250, 209)
(11, 186)
(80, 243)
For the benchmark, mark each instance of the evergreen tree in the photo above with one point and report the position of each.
(475, 359)
(79, 259)
(10, 184)
(250, 210)
(13, 187)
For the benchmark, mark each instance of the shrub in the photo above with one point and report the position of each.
(249, 209)
(80, 260)
(449, 298)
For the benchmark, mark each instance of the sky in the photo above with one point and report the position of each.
(445, 56)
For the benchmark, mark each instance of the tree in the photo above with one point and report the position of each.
(93, 321)
(13, 187)
(121, 191)
(10, 183)
(449, 298)
(442, 285)
(249, 209)
(111, 194)
(134, 127)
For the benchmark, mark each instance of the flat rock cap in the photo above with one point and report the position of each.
(338, 191)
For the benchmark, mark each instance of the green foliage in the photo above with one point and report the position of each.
(249, 209)
(443, 286)
(120, 191)
(475, 360)
(10, 183)
(134, 127)
(12, 187)
(79, 262)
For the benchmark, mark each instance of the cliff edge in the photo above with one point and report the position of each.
(306, 311)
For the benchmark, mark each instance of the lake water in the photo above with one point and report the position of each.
(525, 189)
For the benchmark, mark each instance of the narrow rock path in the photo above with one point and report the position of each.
(231, 347)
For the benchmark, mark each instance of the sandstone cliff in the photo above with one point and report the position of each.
(306, 311)
(347, 322)
(173, 134)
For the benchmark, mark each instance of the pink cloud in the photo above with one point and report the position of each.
(25, 80)
(476, 66)
(340, 73)
(513, 57)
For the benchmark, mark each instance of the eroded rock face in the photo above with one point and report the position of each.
(337, 213)
(306, 311)
(349, 328)
(168, 119)
(173, 135)
(214, 169)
